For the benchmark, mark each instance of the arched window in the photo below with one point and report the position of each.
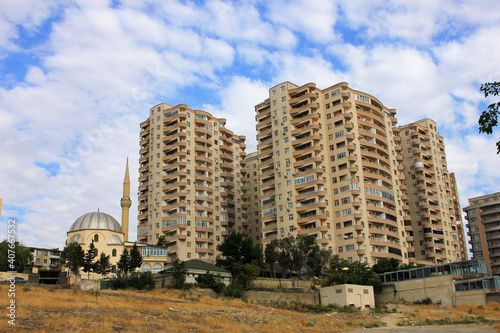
(146, 267)
(96, 252)
(96, 238)
(113, 253)
(156, 268)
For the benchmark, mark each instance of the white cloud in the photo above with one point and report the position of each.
(101, 69)
(237, 101)
(313, 18)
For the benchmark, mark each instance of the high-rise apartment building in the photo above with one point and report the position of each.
(434, 223)
(191, 185)
(329, 165)
(483, 222)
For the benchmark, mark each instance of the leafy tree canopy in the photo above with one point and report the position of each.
(342, 272)
(489, 118)
(240, 257)
(22, 257)
(178, 270)
(73, 256)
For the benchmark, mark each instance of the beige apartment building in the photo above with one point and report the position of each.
(192, 184)
(483, 222)
(329, 165)
(434, 226)
(45, 259)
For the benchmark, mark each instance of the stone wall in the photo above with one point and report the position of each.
(271, 296)
(269, 283)
(88, 285)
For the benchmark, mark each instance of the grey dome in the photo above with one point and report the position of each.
(114, 239)
(77, 239)
(96, 220)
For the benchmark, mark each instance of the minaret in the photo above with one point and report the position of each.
(126, 203)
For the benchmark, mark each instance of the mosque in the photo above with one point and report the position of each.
(111, 237)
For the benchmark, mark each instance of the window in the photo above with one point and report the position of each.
(113, 253)
(96, 238)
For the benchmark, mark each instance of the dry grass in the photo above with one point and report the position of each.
(52, 309)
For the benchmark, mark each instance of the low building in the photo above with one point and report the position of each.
(195, 268)
(45, 259)
(453, 284)
(348, 294)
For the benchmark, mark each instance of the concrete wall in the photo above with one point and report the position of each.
(470, 297)
(4, 275)
(269, 283)
(270, 296)
(493, 297)
(348, 294)
(437, 288)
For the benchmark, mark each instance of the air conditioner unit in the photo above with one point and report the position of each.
(288, 198)
(286, 176)
(288, 209)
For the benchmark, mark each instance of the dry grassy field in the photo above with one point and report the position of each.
(55, 309)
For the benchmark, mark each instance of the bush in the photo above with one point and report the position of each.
(235, 290)
(136, 280)
(425, 301)
(211, 281)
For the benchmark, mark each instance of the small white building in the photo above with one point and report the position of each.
(348, 294)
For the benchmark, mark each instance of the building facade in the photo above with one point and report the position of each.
(329, 166)
(191, 182)
(434, 225)
(45, 259)
(483, 223)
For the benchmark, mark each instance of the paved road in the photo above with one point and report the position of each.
(428, 329)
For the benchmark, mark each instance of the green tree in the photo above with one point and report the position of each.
(178, 270)
(386, 265)
(162, 241)
(135, 258)
(103, 265)
(271, 255)
(489, 118)
(73, 256)
(240, 257)
(285, 254)
(21, 259)
(88, 259)
(124, 262)
(341, 272)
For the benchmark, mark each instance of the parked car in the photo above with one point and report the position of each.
(17, 279)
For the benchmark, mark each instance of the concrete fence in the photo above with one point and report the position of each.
(271, 296)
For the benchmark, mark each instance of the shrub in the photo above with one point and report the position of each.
(136, 280)
(425, 301)
(211, 281)
(235, 290)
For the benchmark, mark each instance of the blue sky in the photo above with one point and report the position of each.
(77, 78)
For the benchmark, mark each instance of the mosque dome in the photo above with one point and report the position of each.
(96, 220)
(77, 239)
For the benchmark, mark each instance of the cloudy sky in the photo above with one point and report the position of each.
(77, 78)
